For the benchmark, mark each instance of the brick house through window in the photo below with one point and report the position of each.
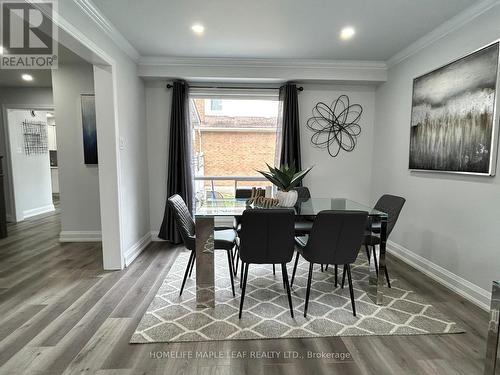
(232, 138)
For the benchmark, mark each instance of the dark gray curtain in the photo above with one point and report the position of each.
(179, 176)
(290, 132)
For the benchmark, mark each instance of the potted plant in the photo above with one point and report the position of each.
(285, 179)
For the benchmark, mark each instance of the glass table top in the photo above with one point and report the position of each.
(309, 207)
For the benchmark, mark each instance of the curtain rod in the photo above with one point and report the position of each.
(169, 86)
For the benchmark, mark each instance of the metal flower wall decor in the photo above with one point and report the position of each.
(336, 126)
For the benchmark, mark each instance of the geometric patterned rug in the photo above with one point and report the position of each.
(266, 315)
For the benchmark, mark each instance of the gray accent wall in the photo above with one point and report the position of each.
(450, 223)
(79, 183)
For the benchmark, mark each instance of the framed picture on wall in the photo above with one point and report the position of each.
(89, 129)
(454, 123)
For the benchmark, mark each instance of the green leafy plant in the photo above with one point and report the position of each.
(285, 178)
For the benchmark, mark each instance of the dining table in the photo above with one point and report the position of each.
(208, 210)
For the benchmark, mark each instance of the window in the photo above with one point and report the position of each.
(216, 104)
(233, 137)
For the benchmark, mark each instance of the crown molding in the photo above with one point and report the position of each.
(440, 32)
(247, 69)
(95, 14)
(75, 35)
(165, 61)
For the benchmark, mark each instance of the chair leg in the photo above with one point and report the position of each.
(274, 270)
(367, 253)
(308, 290)
(294, 268)
(344, 270)
(237, 260)
(321, 267)
(351, 289)
(336, 275)
(387, 277)
(192, 264)
(244, 265)
(285, 278)
(231, 276)
(241, 274)
(326, 267)
(191, 260)
(231, 257)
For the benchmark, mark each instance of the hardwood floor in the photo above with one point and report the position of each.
(60, 313)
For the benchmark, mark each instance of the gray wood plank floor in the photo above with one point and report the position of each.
(60, 313)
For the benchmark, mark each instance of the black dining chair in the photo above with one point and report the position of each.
(335, 238)
(266, 237)
(303, 225)
(392, 206)
(223, 239)
(242, 193)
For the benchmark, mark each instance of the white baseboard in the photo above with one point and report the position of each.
(154, 236)
(459, 285)
(133, 251)
(38, 211)
(80, 236)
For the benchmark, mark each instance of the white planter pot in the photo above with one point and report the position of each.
(287, 198)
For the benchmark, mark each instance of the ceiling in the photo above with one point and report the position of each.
(41, 77)
(12, 78)
(297, 29)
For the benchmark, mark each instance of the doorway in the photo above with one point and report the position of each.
(28, 162)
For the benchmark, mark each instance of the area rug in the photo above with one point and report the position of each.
(266, 315)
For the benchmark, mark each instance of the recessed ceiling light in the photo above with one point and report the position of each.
(347, 33)
(27, 77)
(198, 28)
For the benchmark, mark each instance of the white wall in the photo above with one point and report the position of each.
(18, 97)
(30, 173)
(133, 160)
(348, 175)
(449, 221)
(79, 183)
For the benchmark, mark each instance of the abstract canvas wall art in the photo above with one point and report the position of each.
(89, 129)
(453, 123)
